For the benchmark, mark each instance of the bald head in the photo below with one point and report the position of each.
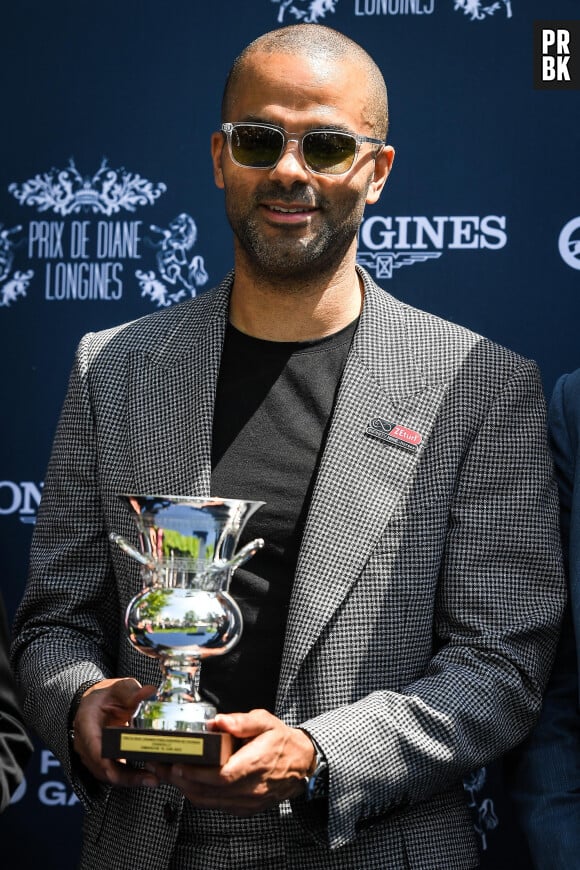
(317, 43)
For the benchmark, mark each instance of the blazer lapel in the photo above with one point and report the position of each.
(361, 478)
(171, 399)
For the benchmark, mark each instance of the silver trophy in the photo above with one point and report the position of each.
(183, 615)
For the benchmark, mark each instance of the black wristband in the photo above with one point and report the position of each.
(317, 781)
(76, 700)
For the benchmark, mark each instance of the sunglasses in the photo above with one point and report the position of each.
(260, 146)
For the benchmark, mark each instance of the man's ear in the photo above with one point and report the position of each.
(217, 147)
(383, 164)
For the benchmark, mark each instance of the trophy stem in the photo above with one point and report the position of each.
(180, 680)
(178, 704)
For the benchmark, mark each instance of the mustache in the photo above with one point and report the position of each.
(298, 194)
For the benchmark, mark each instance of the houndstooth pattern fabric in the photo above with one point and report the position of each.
(425, 607)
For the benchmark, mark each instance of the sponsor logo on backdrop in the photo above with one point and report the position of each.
(294, 11)
(51, 792)
(569, 243)
(479, 11)
(20, 498)
(388, 243)
(85, 248)
(394, 7)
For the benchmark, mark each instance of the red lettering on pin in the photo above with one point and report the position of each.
(404, 434)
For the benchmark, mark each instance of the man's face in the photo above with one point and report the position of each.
(288, 221)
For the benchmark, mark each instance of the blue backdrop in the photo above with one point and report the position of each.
(108, 211)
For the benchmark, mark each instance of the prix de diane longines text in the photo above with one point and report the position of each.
(92, 250)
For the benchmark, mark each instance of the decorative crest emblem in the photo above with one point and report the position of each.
(107, 192)
(173, 263)
(306, 12)
(478, 10)
(484, 809)
(11, 287)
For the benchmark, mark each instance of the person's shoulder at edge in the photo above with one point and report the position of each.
(566, 397)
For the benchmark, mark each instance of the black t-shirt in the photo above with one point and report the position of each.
(273, 405)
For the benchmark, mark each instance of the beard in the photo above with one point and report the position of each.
(290, 255)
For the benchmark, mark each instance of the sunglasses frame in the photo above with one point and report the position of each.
(228, 128)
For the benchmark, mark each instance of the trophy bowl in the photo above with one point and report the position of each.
(182, 615)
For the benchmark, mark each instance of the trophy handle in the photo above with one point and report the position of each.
(241, 556)
(128, 548)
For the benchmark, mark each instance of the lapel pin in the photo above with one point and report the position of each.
(393, 433)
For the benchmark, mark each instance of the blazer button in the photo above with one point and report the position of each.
(169, 813)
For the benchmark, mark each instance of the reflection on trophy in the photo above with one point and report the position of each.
(183, 615)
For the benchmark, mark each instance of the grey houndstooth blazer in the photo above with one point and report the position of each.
(426, 602)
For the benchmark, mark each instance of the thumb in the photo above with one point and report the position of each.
(127, 693)
(245, 725)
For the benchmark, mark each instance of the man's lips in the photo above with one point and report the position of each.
(288, 212)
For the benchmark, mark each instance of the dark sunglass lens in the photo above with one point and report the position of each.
(256, 146)
(329, 152)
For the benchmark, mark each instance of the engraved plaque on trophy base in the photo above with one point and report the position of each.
(212, 748)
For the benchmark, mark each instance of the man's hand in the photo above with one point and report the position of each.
(269, 767)
(109, 702)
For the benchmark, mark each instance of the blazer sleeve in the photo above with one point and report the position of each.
(64, 629)
(15, 745)
(544, 773)
(500, 597)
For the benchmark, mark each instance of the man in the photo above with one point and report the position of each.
(545, 770)
(401, 621)
(15, 745)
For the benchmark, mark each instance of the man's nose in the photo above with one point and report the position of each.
(291, 167)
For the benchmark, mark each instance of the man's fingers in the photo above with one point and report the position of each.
(120, 775)
(109, 702)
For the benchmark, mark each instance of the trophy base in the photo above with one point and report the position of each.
(211, 748)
